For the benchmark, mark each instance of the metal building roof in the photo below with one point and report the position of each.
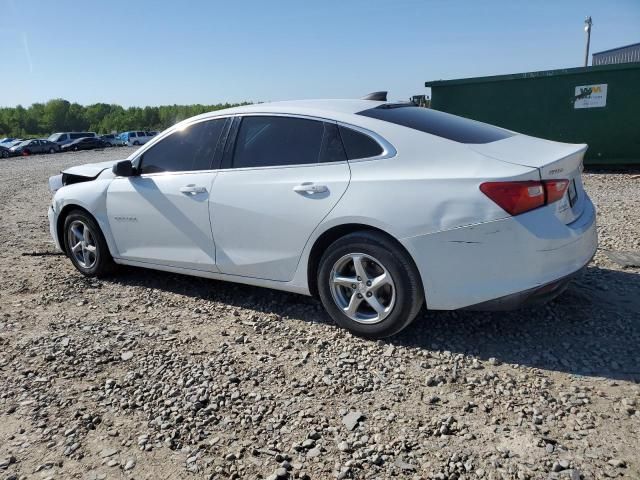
(624, 54)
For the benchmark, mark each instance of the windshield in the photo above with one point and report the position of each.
(54, 137)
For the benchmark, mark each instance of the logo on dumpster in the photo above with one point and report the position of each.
(590, 96)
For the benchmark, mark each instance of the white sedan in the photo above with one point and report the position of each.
(377, 208)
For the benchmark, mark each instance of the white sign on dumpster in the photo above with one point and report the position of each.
(591, 96)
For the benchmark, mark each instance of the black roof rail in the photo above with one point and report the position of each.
(377, 96)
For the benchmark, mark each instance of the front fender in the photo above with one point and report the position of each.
(90, 196)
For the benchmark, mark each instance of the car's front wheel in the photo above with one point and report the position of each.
(86, 245)
(52, 150)
(369, 285)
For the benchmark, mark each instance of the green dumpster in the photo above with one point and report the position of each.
(597, 105)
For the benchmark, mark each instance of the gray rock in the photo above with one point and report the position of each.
(560, 465)
(126, 356)
(313, 453)
(402, 465)
(108, 452)
(5, 462)
(618, 463)
(351, 419)
(130, 464)
(309, 443)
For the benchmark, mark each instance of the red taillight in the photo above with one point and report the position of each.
(555, 189)
(520, 197)
(515, 197)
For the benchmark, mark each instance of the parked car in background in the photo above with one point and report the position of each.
(63, 138)
(136, 138)
(111, 140)
(86, 143)
(35, 145)
(13, 142)
(373, 206)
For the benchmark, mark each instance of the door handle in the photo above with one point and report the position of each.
(192, 189)
(310, 188)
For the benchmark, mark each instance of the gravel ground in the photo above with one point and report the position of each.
(155, 375)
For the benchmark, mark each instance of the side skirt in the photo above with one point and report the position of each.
(256, 282)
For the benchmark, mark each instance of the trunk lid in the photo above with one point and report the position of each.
(554, 161)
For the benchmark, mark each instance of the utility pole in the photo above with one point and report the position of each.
(587, 28)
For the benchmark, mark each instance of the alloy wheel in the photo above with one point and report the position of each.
(362, 288)
(82, 244)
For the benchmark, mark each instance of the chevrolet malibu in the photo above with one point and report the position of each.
(375, 207)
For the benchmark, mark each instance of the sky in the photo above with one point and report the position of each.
(157, 52)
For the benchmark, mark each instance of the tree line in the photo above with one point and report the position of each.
(59, 115)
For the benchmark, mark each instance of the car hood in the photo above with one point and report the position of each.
(90, 170)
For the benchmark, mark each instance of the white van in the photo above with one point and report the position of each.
(62, 138)
(136, 138)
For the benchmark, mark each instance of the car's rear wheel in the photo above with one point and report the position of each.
(136, 143)
(52, 150)
(369, 285)
(86, 245)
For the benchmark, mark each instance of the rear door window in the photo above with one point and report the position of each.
(189, 149)
(265, 141)
(332, 148)
(437, 123)
(140, 134)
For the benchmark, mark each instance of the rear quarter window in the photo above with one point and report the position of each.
(358, 145)
(445, 125)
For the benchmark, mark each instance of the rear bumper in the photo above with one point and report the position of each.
(528, 298)
(504, 263)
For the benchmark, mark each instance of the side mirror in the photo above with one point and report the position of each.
(123, 168)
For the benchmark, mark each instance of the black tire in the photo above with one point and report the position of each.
(103, 262)
(409, 293)
(136, 143)
(5, 154)
(52, 150)
(75, 148)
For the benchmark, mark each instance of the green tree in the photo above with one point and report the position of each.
(59, 115)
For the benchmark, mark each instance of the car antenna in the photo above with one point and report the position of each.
(377, 96)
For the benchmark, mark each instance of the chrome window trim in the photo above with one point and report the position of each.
(388, 150)
(136, 156)
(291, 115)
